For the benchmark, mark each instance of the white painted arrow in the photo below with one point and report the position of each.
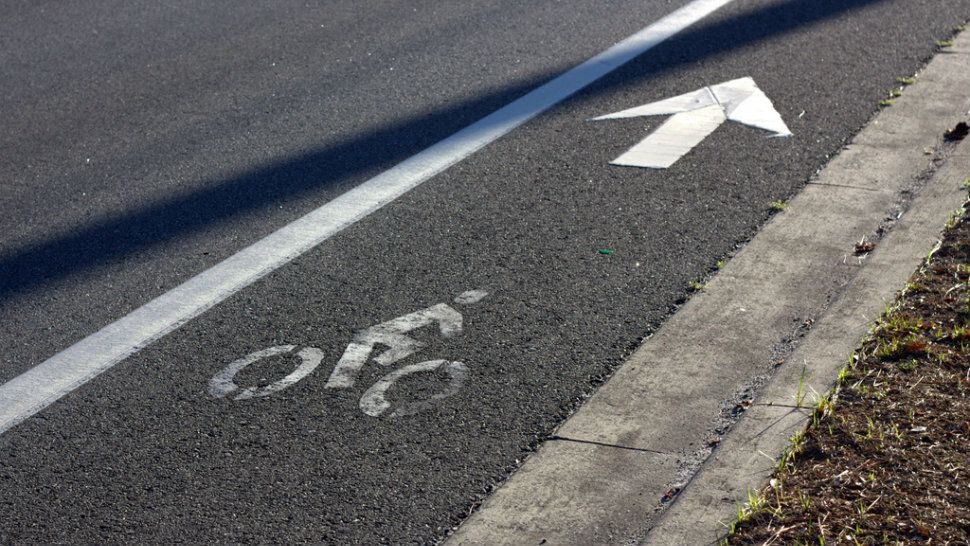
(696, 115)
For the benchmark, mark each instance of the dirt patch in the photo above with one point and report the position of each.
(886, 460)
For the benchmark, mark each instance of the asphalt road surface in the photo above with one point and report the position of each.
(143, 143)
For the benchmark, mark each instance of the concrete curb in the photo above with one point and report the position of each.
(643, 435)
(749, 454)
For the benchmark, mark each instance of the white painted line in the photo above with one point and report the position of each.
(42, 385)
(696, 115)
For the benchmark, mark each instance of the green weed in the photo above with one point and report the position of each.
(779, 206)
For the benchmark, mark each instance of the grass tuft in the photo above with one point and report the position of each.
(779, 206)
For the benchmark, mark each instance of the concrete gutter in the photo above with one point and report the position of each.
(638, 460)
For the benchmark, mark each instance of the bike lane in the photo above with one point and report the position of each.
(153, 449)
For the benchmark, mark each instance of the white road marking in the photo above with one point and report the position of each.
(344, 376)
(374, 402)
(470, 297)
(696, 115)
(222, 384)
(677, 136)
(47, 382)
(391, 335)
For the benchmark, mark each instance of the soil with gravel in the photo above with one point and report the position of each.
(887, 458)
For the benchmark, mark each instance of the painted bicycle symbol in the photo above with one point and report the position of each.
(399, 346)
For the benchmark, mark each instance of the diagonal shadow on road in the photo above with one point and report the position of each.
(112, 239)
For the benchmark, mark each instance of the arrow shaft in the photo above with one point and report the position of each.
(677, 136)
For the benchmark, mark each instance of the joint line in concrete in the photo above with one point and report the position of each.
(604, 444)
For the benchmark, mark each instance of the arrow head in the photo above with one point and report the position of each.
(741, 100)
(696, 115)
(745, 103)
(674, 105)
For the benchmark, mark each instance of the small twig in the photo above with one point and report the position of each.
(947, 293)
(777, 535)
(918, 382)
(873, 503)
(772, 459)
